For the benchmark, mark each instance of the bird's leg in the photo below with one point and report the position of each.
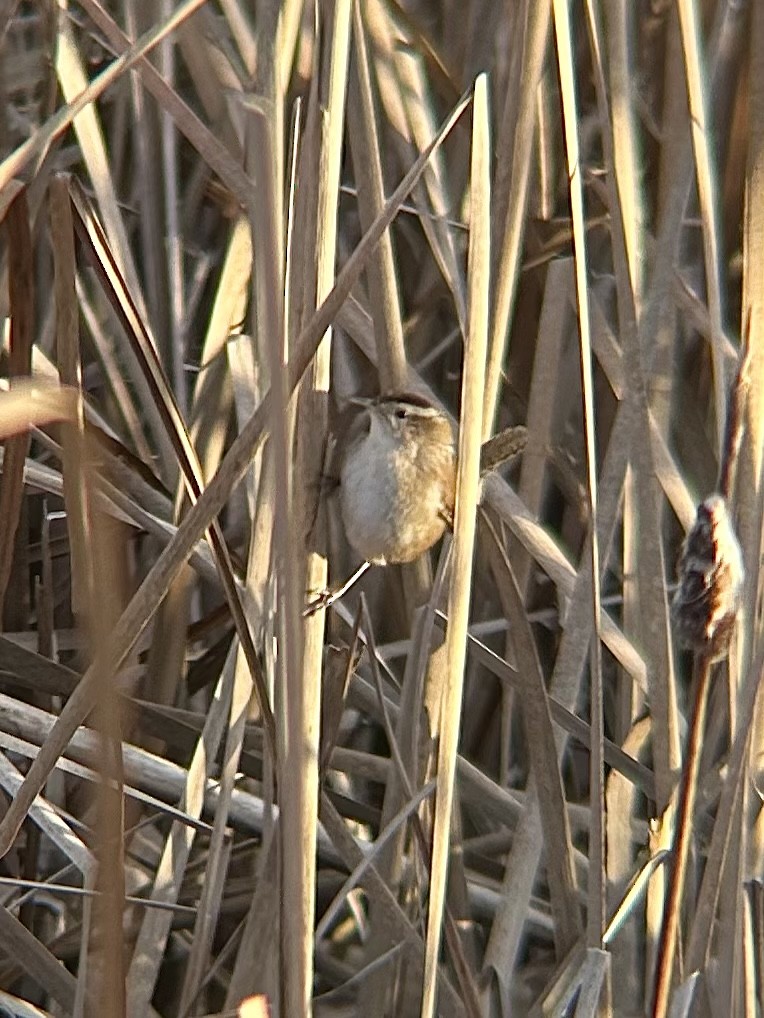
(329, 595)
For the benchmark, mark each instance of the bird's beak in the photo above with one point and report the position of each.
(364, 401)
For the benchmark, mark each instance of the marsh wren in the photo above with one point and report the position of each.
(398, 481)
(397, 478)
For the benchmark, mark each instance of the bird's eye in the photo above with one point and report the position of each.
(401, 414)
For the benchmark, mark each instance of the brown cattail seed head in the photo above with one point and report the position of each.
(710, 581)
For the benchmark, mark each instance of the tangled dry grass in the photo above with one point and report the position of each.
(455, 791)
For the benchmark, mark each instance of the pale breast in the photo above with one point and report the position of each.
(367, 502)
(393, 510)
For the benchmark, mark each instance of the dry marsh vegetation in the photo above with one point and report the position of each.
(455, 791)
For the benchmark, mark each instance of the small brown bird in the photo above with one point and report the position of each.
(397, 478)
(397, 481)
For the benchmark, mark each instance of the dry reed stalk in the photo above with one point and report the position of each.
(626, 171)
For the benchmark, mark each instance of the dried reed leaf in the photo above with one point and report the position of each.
(37, 146)
(312, 419)
(467, 496)
(596, 889)
(30, 403)
(37, 961)
(47, 819)
(254, 1007)
(21, 301)
(543, 752)
(508, 258)
(156, 926)
(699, 96)
(178, 180)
